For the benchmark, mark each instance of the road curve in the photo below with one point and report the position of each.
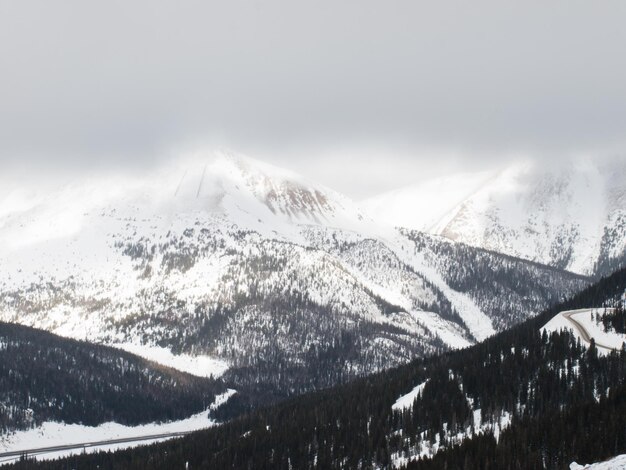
(581, 329)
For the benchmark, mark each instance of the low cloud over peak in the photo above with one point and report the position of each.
(393, 91)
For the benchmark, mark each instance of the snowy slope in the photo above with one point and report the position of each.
(198, 365)
(405, 402)
(243, 265)
(616, 463)
(51, 434)
(591, 321)
(572, 218)
(421, 206)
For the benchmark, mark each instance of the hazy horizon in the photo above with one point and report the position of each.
(387, 94)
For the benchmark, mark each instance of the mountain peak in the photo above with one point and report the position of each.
(250, 193)
(569, 217)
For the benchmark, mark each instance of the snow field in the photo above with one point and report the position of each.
(616, 463)
(51, 434)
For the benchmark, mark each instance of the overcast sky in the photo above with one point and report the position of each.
(360, 95)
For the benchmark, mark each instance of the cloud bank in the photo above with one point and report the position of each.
(393, 91)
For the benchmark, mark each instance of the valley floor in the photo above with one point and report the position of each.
(53, 434)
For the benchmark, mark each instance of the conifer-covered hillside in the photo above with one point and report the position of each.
(44, 377)
(519, 400)
(282, 281)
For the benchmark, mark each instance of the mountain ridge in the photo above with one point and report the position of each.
(572, 218)
(287, 282)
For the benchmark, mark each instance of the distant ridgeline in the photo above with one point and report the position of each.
(519, 400)
(44, 377)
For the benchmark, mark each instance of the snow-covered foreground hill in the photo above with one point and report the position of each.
(286, 283)
(572, 218)
(616, 463)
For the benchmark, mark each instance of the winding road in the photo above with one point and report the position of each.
(581, 329)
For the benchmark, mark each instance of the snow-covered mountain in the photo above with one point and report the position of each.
(422, 206)
(285, 281)
(572, 218)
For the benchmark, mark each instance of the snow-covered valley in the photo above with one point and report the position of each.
(53, 434)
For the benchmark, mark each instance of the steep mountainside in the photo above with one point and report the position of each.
(44, 377)
(519, 400)
(488, 278)
(571, 218)
(230, 258)
(421, 206)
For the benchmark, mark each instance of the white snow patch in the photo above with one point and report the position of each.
(616, 463)
(405, 402)
(201, 366)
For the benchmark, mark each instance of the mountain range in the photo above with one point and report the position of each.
(285, 285)
(570, 217)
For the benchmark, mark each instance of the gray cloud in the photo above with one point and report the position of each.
(398, 89)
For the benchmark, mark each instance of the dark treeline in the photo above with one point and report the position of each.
(45, 377)
(615, 320)
(585, 432)
(566, 403)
